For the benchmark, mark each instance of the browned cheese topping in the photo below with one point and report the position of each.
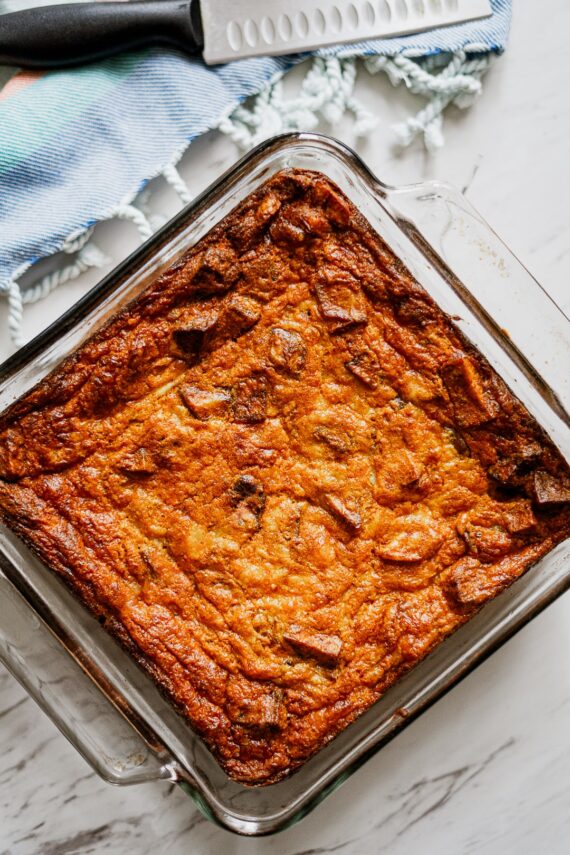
(281, 476)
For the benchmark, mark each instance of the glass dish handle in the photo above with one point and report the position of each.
(36, 658)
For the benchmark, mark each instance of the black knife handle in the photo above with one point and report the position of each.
(52, 36)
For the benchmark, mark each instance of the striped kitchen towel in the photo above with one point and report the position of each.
(78, 146)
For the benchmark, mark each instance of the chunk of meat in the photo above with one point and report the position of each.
(549, 489)
(248, 228)
(248, 492)
(415, 311)
(366, 367)
(336, 207)
(350, 519)
(469, 583)
(338, 440)
(287, 350)
(316, 645)
(311, 220)
(505, 472)
(260, 713)
(219, 270)
(205, 403)
(472, 403)
(240, 315)
(268, 207)
(284, 232)
(519, 517)
(340, 299)
(139, 462)
(486, 544)
(406, 469)
(510, 470)
(190, 337)
(250, 399)
(485, 531)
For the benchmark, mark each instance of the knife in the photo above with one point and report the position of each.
(220, 30)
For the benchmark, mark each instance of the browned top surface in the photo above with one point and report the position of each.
(281, 477)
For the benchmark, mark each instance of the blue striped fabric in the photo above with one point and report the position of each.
(74, 144)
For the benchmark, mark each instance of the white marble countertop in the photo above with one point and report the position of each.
(487, 769)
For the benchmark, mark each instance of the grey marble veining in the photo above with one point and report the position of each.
(487, 769)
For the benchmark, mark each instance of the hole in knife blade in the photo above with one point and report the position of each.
(384, 11)
(419, 7)
(267, 30)
(234, 34)
(352, 15)
(319, 22)
(368, 14)
(301, 25)
(336, 19)
(250, 32)
(284, 27)
(435, 6)
(402, 9)
(452, 5)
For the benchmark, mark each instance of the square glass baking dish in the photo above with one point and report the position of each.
(94, 692)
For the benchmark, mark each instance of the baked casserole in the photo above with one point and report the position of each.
(281, 476)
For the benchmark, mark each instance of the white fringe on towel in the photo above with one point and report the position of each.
(326, 92)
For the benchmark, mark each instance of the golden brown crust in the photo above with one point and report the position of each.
(281, 477)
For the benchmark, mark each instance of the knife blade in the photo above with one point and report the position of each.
(70, 34)
(253, 28)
